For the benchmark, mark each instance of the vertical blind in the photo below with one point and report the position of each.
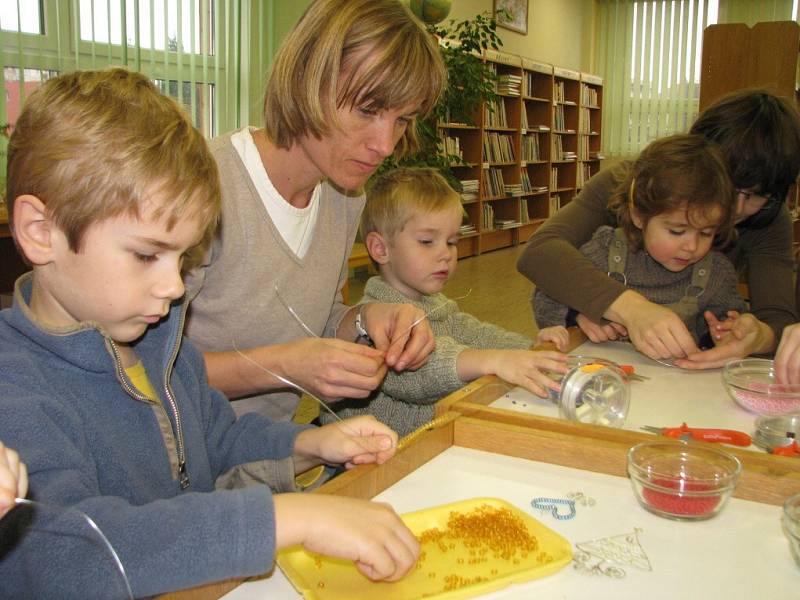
(191, 49)
(649, 54)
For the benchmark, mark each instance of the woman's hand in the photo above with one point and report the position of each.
(393, 330)
(787, 358)
(654, 330)
(600, 333)
(13, 479)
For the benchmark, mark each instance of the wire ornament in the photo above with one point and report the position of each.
(92, 525)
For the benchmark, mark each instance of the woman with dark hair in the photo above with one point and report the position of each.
(759, 136)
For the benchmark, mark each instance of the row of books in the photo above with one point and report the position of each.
(555, 204)
(584, 173)
(487, 216)
(530, 147)
(559, 122)
(494, 113)
(558, 91)
(451, 146)
(528, 87)
(528, 187)
(559, 154)
(585, 121)
(498, 147)
(493, 182)
(588, 95)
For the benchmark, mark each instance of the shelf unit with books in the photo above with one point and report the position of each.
(464, 140)
(528, 153)
(500, 175)
(535, 131)
(589, 128)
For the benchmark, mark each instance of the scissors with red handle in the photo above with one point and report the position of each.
(684, 432)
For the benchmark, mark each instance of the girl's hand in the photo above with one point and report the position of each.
(747, 335)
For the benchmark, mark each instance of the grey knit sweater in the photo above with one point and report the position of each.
(405, 400)
(655, 283)
(234, 290)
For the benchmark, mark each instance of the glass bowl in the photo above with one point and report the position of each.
(791, 525)
(751, 383)
(776, 431)
(682, 481)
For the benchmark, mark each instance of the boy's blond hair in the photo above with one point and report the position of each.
(398, 195)
(93, 145)
(389, 59)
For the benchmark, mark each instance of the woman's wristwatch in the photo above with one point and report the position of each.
(363, 336)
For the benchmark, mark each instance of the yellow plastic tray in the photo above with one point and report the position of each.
(474, 572)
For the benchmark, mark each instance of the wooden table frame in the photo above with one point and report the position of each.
(471, 424)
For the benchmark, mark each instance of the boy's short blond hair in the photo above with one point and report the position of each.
(398, 195)
(93, 145)
(390, 59)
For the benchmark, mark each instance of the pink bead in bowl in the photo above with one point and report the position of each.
(751, 383)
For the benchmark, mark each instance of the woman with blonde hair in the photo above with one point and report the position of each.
(346, 89)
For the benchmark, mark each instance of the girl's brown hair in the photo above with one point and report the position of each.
(671, 173)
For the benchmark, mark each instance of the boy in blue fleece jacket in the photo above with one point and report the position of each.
(112, 193)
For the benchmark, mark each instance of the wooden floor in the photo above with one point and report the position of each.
(499, 293)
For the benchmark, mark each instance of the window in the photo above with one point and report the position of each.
(654, 90)
(181, 44)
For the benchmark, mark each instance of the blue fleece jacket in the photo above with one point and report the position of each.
(91, 443)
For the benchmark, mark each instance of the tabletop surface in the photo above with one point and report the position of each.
(668, 398)
(741, 553)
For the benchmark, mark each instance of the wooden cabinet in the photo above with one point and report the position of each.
(527, 153)
(736, 56)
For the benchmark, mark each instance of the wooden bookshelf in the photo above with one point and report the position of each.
(530, 152)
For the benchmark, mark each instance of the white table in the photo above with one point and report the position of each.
(740, 554)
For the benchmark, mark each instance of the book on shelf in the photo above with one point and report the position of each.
(508, 85)
(524, 217)
(555, 204)
(467, 229)
(514, 189)
(488, 217)
(530, 147)
(493, 182)
(506, 223)
(494, 113)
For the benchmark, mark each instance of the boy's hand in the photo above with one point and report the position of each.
(741, 335)
(524, 368)
(787, 358)
(557, 335)
(13, 479)
(600, 333)
(390, 327)
(356, 441)
(368, 533)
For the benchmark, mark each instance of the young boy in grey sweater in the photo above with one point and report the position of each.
(410, 228)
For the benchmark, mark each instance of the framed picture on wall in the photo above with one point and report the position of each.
(515, 15)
